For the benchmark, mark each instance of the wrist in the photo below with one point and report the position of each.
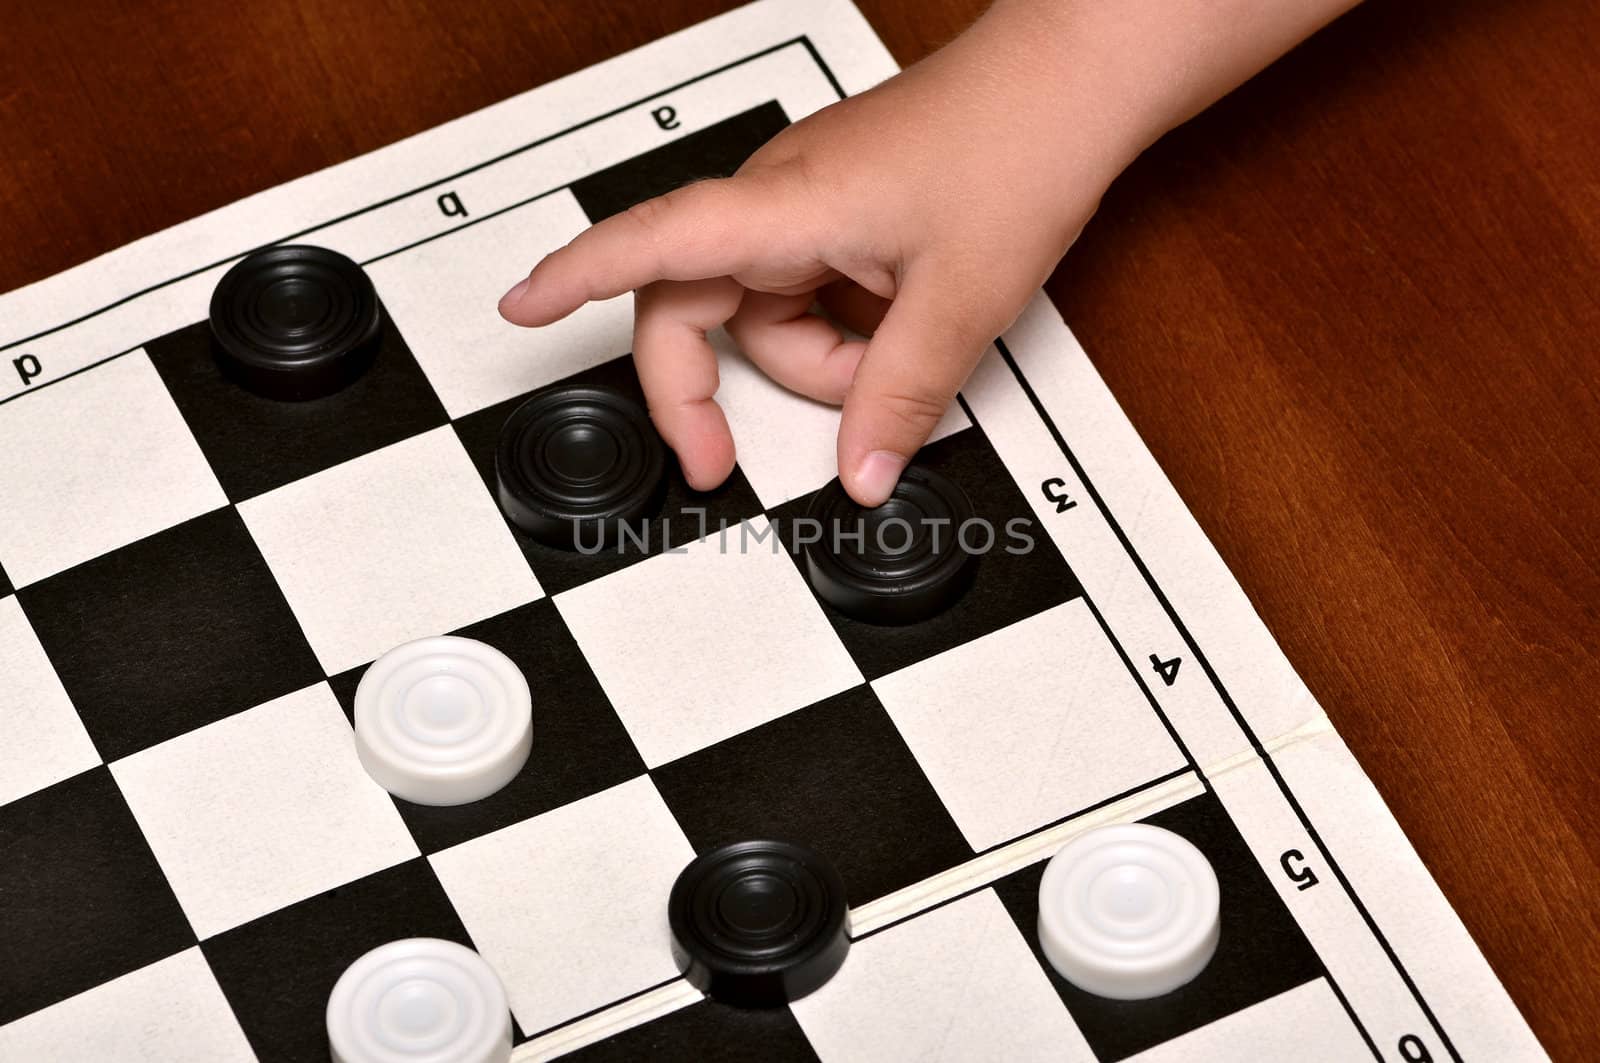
(1073, 78)
(1135, 69)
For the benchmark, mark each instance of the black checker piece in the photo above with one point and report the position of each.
(255, 444)
(1018, 572)
(576, 464)
(898, 563)
(682, 516)
(295, 322)
(758, 923)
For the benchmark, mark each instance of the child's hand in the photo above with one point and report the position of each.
(929, 209)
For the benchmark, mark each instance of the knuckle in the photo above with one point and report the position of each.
(648, 215)
(692, 197)
(915, 411)
(685, 217)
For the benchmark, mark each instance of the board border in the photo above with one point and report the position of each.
(804, 41)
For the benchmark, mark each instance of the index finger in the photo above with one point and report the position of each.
(708, 229)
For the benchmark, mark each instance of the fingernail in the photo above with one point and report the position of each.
(514, 296)
(876, 476)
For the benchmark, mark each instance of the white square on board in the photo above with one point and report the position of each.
(699, 646)
(1276, 1028)
(787, 444)
(44, 739)
(1028, 724)
(570, 908)
(391, 546)
(443, 297)
(92, 463)
(172, 1009)
(262, 809)
(956, 983)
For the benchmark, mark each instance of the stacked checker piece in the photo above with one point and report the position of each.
(1125, 912)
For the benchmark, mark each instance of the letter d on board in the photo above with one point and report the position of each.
(27, 367)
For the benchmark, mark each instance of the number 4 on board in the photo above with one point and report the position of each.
(1167, 670)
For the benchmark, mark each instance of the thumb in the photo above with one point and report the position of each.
(912, 368)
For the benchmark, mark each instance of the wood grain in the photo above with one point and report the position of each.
(1354, 310)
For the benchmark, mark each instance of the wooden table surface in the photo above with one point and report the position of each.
(1354, 310)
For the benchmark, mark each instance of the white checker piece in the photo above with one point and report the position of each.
(45, 741)
(1029, 723)
(1129, 911)
(569, 907)
(443, 720)
(696, 646)
(95, 462)
(262, 809)
(444, 296)
(956, 983)
(395, 545)
(170, 1010)
(419, 1000)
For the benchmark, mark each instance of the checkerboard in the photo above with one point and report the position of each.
(194, 580)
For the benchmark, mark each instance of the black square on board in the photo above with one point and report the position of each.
(835, 777)
(707, 1032)
(1020, 575)
(82, 898)
(579, 744)
(1260, 950)
(686, 514)
(716, 151)
(255, 444)
(5, 582)
(277, 971)
(170, 633)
